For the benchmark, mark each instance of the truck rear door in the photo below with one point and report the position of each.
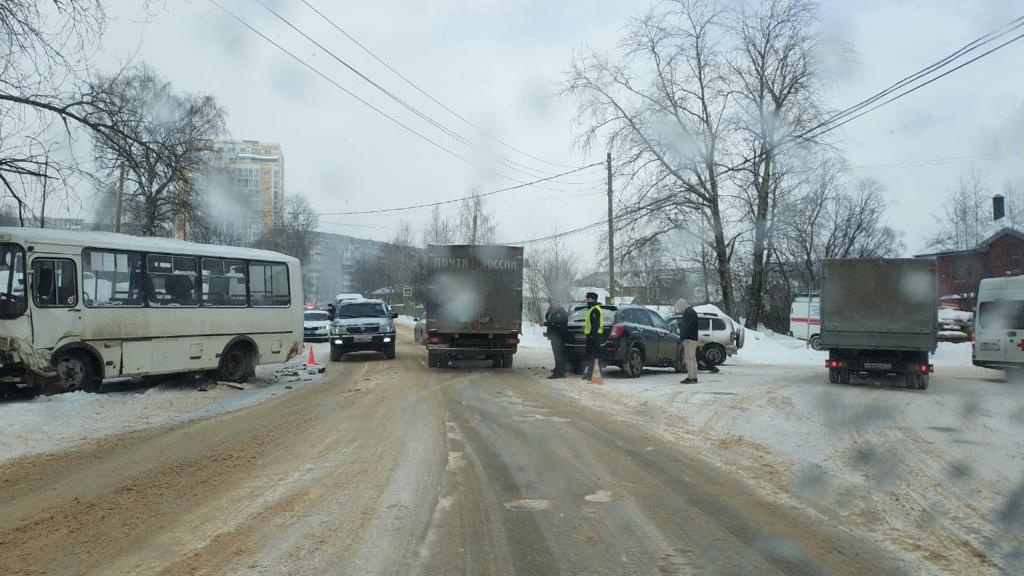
(999, 334)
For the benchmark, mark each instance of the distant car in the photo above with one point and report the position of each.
(634, 338)
(363, 325)
(718, 336)
(805, 320)
(316, 326)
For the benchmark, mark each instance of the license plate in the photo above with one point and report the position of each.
(988, 346)
(363, 338)
(877, 366)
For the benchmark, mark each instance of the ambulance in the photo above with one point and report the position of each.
(999, 323)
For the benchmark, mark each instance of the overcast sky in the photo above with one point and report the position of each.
(497, 62)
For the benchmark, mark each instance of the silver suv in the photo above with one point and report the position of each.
(718, 336)
(363, 325)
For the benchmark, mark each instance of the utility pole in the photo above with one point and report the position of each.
(120, 200)
(611, 236)
(472, 236)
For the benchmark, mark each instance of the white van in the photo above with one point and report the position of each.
(805, 320)
(999, 323)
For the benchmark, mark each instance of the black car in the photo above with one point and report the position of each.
(634, 338)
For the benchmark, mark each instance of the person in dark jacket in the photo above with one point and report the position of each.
(688, 334)
(593, 329)
(557, 322)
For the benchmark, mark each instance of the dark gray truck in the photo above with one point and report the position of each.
(880, 316)
(474, 304)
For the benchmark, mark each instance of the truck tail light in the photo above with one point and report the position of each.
(926, 368)
(616, 332)
(834, 364)
(511, 341)
(433, 340)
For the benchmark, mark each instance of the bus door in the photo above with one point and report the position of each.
(56, 302)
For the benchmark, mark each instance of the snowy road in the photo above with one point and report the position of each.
(391, 468)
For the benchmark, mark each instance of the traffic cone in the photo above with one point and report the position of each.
(595, 375)
(311, 361)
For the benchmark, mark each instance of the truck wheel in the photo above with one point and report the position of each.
(922, 382)
(335, 353)
(715, 353)
(815, 342)
(634, 364)
(389, 351)
(432, 360)
(844, 376)
(506, 360)
(833, 375)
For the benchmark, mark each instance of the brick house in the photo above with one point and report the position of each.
(960, 271)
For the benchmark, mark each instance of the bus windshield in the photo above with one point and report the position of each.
(12, 281)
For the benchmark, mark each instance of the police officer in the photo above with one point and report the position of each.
(556, 320)
(593, 329)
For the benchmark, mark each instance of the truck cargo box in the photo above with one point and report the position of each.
(880, 304)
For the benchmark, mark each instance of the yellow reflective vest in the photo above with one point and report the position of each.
(587, 328)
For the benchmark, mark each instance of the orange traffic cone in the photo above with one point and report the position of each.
(311, 361)
(595, 375)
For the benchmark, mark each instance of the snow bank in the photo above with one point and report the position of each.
(52, 423)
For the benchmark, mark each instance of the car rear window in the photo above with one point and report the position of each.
(581, 314)
(1001, 315)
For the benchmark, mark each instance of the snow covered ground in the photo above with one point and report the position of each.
(938, 473)
(51, 423)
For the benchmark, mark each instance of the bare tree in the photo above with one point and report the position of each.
(475, 224)
(777, 87)
(439, 229)
(294, 233)
(662, 105)
(167, 136)
(831, 219)
(966, 218)
(550, 271)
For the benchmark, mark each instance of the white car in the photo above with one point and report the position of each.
(719, 335)
(316, 325)
(420, 330)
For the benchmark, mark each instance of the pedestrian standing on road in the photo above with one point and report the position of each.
(593, 330)
(688, 334)
(330, 311)
(557, 323)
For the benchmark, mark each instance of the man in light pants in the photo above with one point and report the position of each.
(689, 334)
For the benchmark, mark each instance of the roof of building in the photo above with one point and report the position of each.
(981, 247)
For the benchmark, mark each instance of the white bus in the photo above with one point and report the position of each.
(78, 307)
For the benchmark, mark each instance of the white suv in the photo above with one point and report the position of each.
(719, 336)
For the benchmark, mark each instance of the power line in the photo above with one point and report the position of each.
(830, 123)
(511, 164)
(339, 86)
(923, 162)
(425, 93)
(441, 202)
(919, 86)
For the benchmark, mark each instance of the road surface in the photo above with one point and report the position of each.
(387, 467)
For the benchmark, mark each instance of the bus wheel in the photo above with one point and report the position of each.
(235, 364)
(75, 371)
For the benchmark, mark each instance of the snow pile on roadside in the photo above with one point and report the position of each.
(771, 348)
(951, 316)
(52, 423)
